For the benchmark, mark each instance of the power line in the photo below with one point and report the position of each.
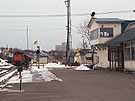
(42, 15)
(36, 15)
(30, 29)
(64, 15)
(112, 12)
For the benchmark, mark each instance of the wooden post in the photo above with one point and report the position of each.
(20, 76)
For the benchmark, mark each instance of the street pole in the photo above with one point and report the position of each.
(67, 2)
(27, 35)
(20, 80)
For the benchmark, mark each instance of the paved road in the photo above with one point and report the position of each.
(78, 86)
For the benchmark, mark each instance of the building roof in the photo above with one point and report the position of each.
(109, 20)
(105, 20)
(127, 35)
(43, 54)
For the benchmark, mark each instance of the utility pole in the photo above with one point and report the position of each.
(67, 2)
(27, 37)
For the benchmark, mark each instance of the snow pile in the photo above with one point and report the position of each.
(82, 67)
(43, 74)
(54, 65)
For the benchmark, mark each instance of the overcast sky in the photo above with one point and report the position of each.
(51, 31)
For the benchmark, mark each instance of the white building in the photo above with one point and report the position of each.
(101, 31)
(61, 47)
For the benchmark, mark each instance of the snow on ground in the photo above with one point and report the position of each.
(6, 67)
(54, 65)
(7, 76)
(1, 90)
(82, 67)
(26, 77)
(43, 74)
(35, 75)
(3, 71)
(3, 62)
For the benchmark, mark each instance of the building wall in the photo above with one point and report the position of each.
(94, 26)
(116, 31)
(103, 58)
(103, 53)
(83, 60)
(94, 42)
(115, 26)
(129, 55)
(77, 58)
(43, 60)
(130, 65)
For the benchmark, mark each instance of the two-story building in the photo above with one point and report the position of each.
(101, 31)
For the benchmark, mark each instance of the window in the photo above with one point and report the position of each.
(129, 52)
(94, 34)
(106, 32)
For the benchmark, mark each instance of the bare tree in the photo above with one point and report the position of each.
(85, 33)
(84, 43)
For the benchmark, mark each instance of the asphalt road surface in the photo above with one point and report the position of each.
(77, 86)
